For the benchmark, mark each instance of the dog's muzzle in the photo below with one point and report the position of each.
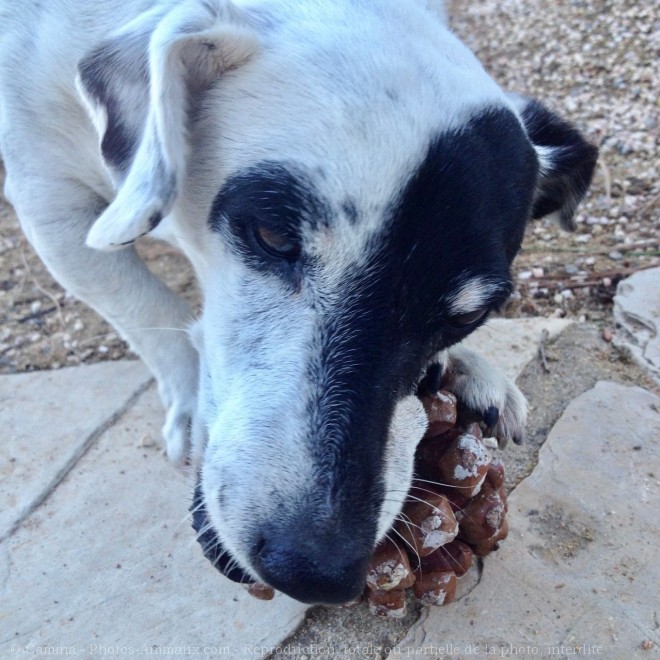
(318, 570)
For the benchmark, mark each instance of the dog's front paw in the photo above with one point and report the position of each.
(177, 430)
(486, 393)
(179, 396)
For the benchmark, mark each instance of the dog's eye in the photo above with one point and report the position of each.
(464, 320)
(277, 243)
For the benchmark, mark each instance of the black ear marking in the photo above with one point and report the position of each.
(155, 61)
(567, 163)
(110, 75)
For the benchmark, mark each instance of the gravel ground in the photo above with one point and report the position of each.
(593, 61)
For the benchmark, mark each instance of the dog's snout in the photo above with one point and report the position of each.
(310, 570)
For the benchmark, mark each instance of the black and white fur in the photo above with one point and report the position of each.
(350, 186)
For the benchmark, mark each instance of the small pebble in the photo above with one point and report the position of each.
(146, 441)
(615, 255)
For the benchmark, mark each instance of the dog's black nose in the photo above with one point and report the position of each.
(315, 573)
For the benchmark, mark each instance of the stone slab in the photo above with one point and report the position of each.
(579, 573)
(134, 579)
(108, 564)
(48, 418)
(637, 316)
(510, 344)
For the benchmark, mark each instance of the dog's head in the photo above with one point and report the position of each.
(351, 188)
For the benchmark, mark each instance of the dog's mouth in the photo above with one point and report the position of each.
(212, 547)
(304, 580)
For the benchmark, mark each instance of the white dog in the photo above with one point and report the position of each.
(350, 186)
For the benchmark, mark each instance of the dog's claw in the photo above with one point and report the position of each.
(487, 395)
(491, 416)
(430, 384)
(520, 439)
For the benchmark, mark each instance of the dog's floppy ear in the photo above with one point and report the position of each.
(137, 85)
(566, 162)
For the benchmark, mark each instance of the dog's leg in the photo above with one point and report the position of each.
(118, 286)
(485, 392)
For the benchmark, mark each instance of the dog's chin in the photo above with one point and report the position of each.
(212, 547)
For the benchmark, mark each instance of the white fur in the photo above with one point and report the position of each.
(546, 158)
(408, 427)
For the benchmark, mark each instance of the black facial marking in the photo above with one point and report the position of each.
(461, 215)
(277, 199)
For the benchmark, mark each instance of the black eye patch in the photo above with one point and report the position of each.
(263, 210)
